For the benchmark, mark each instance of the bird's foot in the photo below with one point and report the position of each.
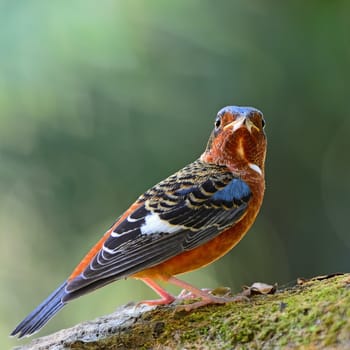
(187, 295)
(163, 301)
(219, 291)
(206, 296)
(210, 299)
(216, 296)
(166, 298)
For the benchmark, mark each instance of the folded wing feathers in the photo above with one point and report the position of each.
(178, 214)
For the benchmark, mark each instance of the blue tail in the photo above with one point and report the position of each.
(42, 314)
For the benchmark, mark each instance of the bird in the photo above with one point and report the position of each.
(183, 223)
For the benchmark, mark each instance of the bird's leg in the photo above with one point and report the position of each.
(166, 298)
(203, 294)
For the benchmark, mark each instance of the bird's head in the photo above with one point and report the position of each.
(238, 139)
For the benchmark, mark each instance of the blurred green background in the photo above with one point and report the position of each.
(99, 100)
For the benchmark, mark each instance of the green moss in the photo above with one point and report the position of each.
(316, 314)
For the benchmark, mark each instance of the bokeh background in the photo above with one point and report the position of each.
(99, 100)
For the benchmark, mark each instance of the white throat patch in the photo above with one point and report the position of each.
(255, 168)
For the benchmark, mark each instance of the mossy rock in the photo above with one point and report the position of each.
(312, 315)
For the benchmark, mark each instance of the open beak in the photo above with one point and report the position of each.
(240, 122)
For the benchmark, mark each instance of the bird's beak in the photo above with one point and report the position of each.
(250, 125)
(240, 122)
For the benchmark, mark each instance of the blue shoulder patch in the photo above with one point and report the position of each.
(235, 190)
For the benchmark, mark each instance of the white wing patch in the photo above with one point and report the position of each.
(154, 224)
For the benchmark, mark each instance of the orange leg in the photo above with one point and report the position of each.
(166, 298)
(204, 295)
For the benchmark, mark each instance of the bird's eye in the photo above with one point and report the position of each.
(263, 122)
(217, 123)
